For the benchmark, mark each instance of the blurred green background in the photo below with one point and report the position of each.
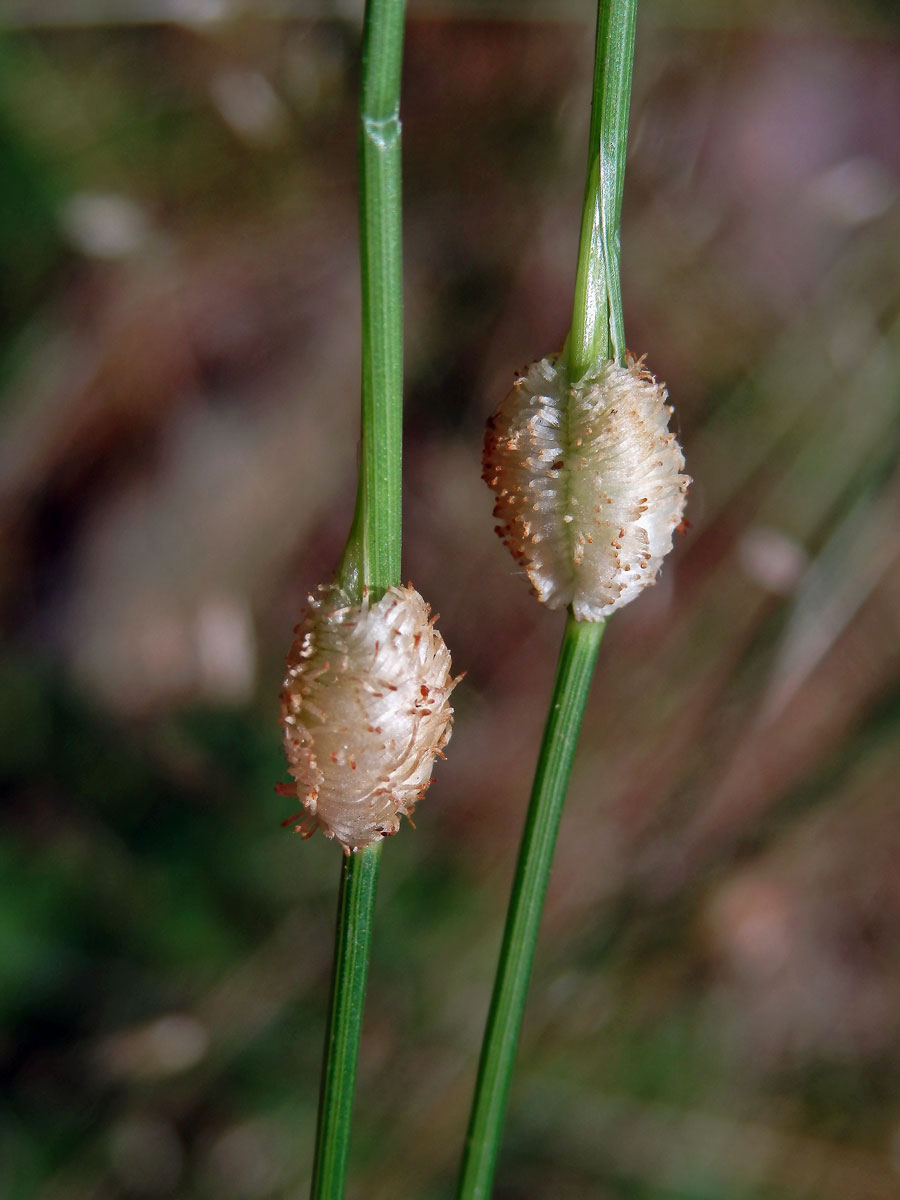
(715, 1013)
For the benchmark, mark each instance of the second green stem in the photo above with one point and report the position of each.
(597, 334)
(573, 679)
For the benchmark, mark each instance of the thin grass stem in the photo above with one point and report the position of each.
(573, 678)
(372, 556)
(371, 561)
(598, 327)
(356, 902)
(597, 333)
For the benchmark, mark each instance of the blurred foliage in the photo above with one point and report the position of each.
(716, 1007)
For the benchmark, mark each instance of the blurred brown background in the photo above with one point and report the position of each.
(715, 1013)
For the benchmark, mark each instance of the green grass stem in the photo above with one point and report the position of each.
(356, 903)
(597, 333)
(371, 561)
(372, 556)
(598, 328)
(573, 679)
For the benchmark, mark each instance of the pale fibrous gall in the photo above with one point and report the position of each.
(588, 483)
(365, 711)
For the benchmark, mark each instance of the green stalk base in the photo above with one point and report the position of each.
(356, 902)
(574, 672)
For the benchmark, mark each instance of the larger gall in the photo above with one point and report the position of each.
(588, 483)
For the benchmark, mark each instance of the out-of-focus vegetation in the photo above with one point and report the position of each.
(716, 1008)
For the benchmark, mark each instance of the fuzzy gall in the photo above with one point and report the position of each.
(588, 483)
(365, 711)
